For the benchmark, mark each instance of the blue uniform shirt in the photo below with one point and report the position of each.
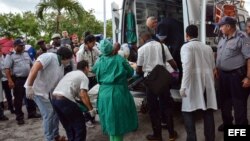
(20, 64)
(233, 52)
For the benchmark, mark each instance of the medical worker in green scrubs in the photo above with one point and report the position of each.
(116, 106)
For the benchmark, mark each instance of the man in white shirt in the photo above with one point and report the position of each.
(43, 78)
(150, 55)
(90, 53)
(72, 86)
(197, 87)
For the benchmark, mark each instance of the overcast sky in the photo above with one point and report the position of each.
(7, 6)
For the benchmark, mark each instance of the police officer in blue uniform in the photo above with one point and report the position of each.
(233, 72)
(17, 67)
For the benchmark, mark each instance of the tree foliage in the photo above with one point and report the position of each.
(27, 24)
(109, 28)
(71, 7)
(89, 23)
(24, 24)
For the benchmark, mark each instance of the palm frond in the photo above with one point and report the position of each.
(41, 8)
(73, 7)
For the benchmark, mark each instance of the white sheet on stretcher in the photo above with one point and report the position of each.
(93, 93)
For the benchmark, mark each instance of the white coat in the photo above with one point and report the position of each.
(198, 64)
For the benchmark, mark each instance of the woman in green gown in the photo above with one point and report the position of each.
(116, 107)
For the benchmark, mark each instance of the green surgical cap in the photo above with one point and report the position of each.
(106, 47)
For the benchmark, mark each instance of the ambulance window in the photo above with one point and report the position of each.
(209, 14)
(242, 22)
(210, 30)
(209, 20)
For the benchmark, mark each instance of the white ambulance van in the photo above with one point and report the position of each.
(203, 13)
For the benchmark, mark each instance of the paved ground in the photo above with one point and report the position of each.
(32, 130)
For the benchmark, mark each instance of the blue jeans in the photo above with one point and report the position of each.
(50, 119)
(209, 127)
(71, 118)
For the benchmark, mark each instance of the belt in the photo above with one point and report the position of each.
(235, 70)
(58, 97)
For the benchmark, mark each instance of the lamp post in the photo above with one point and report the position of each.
(203, 21)
(104, 19)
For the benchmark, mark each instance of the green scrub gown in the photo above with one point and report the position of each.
(116, 106)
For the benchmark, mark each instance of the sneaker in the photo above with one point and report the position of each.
(4, 118)
(20, 122)
(173, 137)
(153, 138)
(89, 124)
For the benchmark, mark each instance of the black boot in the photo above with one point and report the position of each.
(156, 136)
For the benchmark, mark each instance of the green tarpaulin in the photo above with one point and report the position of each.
(130, 26)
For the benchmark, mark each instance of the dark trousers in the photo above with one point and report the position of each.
(19, 96)
(155, 113)
(209, 127)
(233, 96)
(1, 112)
(162, 110)
(71, 118)
(8, 94)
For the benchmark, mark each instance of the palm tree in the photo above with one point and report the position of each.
(73, 7)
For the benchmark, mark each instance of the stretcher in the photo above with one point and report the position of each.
(136, 90)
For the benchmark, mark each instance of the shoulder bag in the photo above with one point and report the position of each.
(158, 80)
